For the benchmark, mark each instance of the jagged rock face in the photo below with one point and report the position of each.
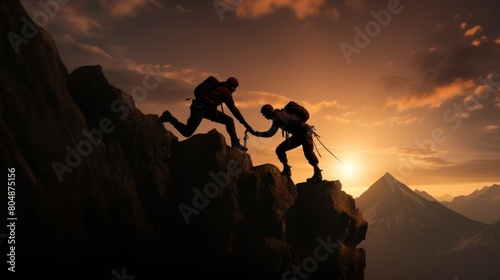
(102, 186)
(86, 188)
(230, 214)
(324, 222)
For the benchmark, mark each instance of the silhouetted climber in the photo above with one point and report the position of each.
(294, 124)
(208, 95)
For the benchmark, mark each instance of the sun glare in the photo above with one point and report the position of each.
(349, 170)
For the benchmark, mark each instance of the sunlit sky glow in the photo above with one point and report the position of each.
(412, 98)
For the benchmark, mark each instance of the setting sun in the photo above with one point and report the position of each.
(348, 170)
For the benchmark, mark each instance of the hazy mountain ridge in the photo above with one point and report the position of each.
(487, 238)
(475, 257)
(416, 233)
(481, 205)
(446, 197)
(425, 195)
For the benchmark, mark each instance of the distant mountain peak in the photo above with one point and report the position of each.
(396, 214)
(388, 175)
(445, 198)
(391, 191)
(392, 183)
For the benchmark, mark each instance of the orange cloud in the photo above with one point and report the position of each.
(94, 49)
(473, 31)
(397, 120)
(184, 75)
(70, 18)
(433, 99)
(323, 105)
(333, 13)
(347, 117)
(82, 24)
(120, 8)
(259, 8)
(356, 5)
(259, 98)
(420, 158)
(472, 104)
(490, 128)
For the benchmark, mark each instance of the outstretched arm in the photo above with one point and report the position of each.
(268, 133)
(236, 113)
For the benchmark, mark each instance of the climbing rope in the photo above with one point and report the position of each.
(245, 140)
(312, 132)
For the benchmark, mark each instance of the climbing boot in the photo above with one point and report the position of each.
(286, 170)
(317, 177)
(167, 117)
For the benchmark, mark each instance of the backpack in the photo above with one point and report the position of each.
(295, 109)
(203, 89)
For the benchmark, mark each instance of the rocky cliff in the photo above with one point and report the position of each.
(103, 191)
